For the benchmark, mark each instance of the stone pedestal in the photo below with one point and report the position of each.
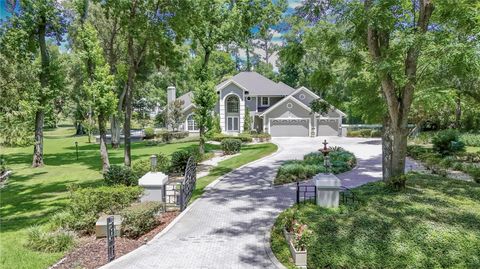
(328, 190)
(101, 226)
(154, 185)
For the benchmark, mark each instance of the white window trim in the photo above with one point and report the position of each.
(261, 101)
(302, 96)
(194, 124)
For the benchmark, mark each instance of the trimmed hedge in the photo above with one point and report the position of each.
(231, 146)
(312, 164)
(139, 219)
(143, 166)
(364, 133)
(244, 137)
(149, 133)
(447, 142)
(168, 136)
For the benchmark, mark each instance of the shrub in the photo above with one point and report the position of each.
(472, 140)
(231, 146)
(447, 142)
(119, 174)
(86, 204)
(57, 241)
(179, 161)
(168, 136)
(474, 172)
(376, 133)
(140, 218)
(245, 138)
(262, 137)
(141, 167)
(149, 133)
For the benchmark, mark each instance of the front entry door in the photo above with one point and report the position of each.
(233, 124)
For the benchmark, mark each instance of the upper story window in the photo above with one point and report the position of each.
(265, 101)
(233, 104)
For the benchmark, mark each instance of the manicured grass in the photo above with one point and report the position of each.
(34, 194)
(248, 153)
(434, 223)
(472, 149)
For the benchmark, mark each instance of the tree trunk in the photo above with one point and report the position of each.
(103, 142)
(128, 117)
(201, 144)
(458, 112)
(394, 149)
(38, 146)
(115, 130)
(40, 114)
(79, 129)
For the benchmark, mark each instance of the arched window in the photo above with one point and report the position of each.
(191, 124)
(233, 104)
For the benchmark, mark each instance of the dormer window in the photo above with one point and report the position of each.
(265, 101)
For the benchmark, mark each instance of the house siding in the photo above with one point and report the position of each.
(252, 104)
(308, 97)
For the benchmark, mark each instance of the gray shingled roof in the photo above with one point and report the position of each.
(187, 99)
(257, 84)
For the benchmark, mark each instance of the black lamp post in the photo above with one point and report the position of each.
(76, 148)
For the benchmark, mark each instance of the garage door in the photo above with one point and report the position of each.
(327, 127)
(289, 127)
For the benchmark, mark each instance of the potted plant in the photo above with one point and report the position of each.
(297, 235)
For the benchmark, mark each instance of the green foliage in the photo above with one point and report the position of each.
(320, 106)
(244, 137)
(3, 164)
(120, 174)
(143, 166)
(86, 204)
(216, 128)
(400, 222)
(45, 241)
(364, 133)
(139, 219)
(469, 139)
(262, 137)
(174, 115)
(179, 161)
(247, 121)
(231, 146)
(204, 98)
(149, 133)
(312, 164)
(397, 183)
(447, 142)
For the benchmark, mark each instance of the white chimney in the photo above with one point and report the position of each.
(171, 94)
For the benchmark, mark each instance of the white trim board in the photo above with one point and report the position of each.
(283, 101)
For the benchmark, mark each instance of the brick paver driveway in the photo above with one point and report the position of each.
(228, 226)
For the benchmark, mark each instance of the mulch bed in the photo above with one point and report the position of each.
(92, 253)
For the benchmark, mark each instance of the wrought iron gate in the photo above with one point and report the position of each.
(306, 193)
(178, 194)
(189, 183)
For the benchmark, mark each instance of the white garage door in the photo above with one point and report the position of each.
(289, 127)
(327, 127)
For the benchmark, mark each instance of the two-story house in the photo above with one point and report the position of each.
(275, 108)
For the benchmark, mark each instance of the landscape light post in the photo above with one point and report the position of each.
(326, 158)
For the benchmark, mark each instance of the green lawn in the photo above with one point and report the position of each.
(33, 195)
(434, 223)
(472, 149)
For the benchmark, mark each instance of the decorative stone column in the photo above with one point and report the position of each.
(154, 184)
(328, 190)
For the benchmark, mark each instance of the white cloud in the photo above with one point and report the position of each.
(294, 3)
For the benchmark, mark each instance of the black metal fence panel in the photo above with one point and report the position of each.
(306, 193)
(111, 238)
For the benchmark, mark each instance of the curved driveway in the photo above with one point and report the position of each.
(228, 226)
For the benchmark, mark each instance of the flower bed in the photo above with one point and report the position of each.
(313, 163)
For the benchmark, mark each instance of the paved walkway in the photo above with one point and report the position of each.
(227, 227)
